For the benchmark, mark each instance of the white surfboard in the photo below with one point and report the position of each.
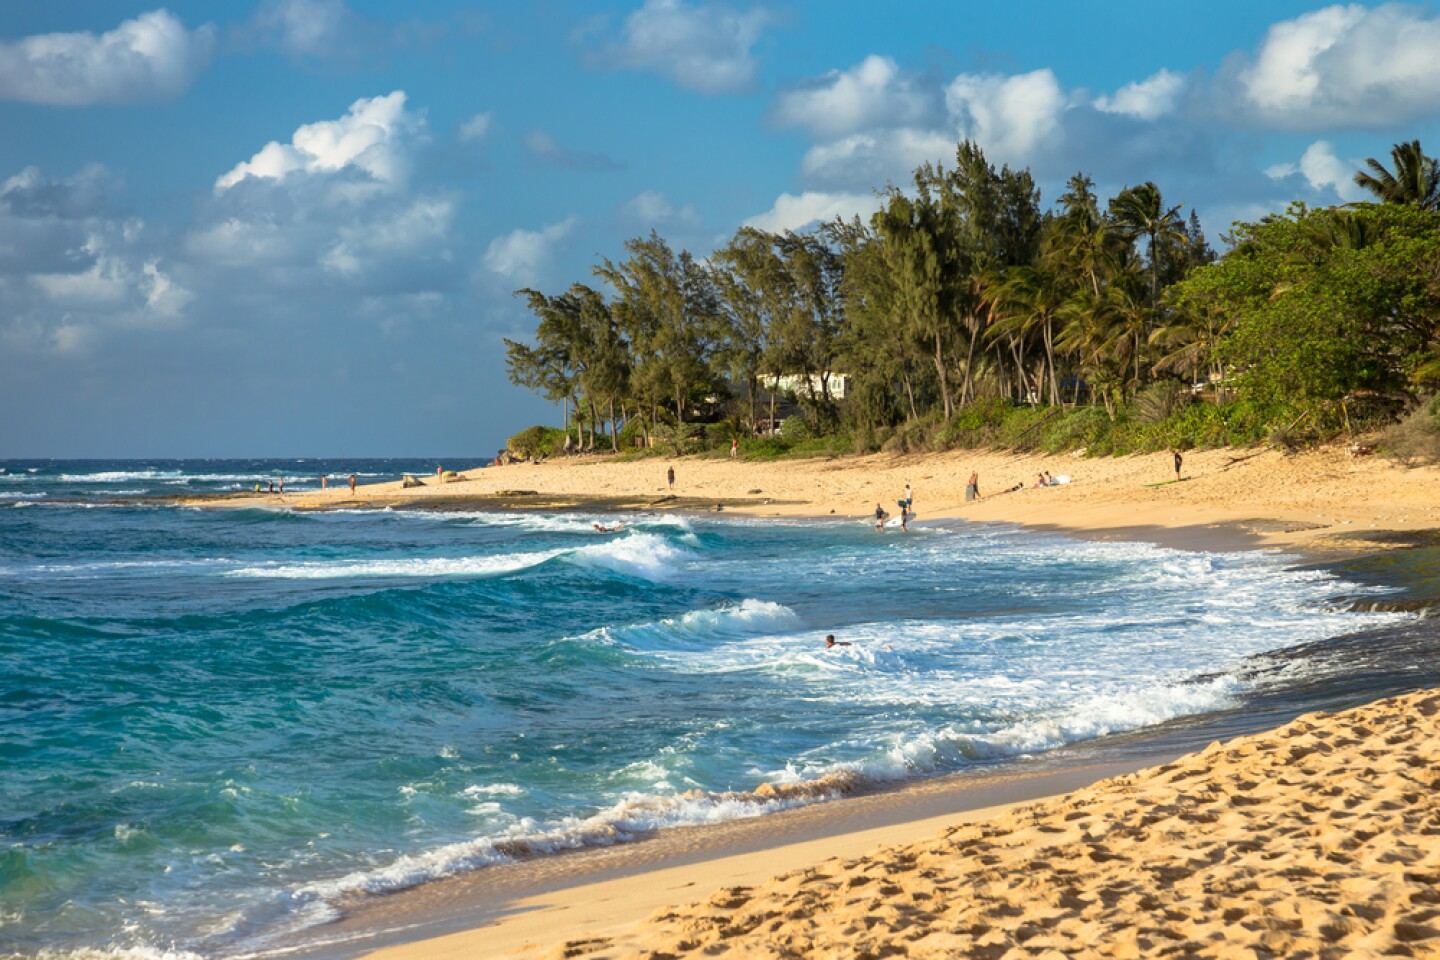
(895, 520)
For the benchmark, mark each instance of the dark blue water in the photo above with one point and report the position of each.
(215, 722)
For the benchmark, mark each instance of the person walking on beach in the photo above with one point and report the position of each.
(734, 447)
(972, 486)
(352, 483)
(670, 477)
(1179, 460)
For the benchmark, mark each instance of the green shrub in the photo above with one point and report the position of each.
(1416, 438)
(536, 441)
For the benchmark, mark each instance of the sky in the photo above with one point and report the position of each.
(295, 227)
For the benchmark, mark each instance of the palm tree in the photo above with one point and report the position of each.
(1138, 211)
(1415, 179)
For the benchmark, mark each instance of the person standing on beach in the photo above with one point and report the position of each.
(352, 483)
(734, 447)
(324, 481)
(972, 486)
(909, 497)
(282, 486)
(1179, 460)
(670, 477)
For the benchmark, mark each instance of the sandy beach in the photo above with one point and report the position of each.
(1313, 840)
(1323, 500)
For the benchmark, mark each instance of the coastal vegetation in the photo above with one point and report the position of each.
(966, 313)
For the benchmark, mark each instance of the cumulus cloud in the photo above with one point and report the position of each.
(793, 212)
(522, 255)
(372, 138)
(475, 128)
(152, 57)
(1147, 99)
(1342, 66)
(652, 208)
(544, 147)
(704, 47)
(872, 94)
(1011, 116)
(71, 269)
(1323, 171)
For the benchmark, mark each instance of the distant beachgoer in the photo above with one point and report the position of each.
(880, 517)
(439, 472)
(272, 486)
(324, 481)
(1179, 460)
(352, 483)
(282, 486)
(972, 486)
(615, 529)
(909, 496)
(257, 486)
(904, 517)
(734, 447)
(830, 641)
(670, 477)
(1040, 480)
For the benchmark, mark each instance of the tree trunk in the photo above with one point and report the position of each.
(968, 386)
(753, 385)
(940, 370)
(1050, 357)
(770, 427)
(614, 432)
(910, 395)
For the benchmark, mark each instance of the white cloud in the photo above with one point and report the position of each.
(304, 27)
(151, 57)
(521, 255)
(475, 128)
(1341, 66)
(1011, 117)
(421, 227)
(373, 137)
(704, 47)
(1323, 170)
(870, 94)
(792, 212)
(653, 208)
(1147, 99)
(866, 159)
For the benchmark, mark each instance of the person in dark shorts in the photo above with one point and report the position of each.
(972, 486)
(1179, 460)
(880, 517)
(670, 477)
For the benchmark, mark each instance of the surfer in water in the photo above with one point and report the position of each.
(880, 517)
(830, 641)
(603, 529)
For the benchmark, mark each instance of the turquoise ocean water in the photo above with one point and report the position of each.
(213, 724)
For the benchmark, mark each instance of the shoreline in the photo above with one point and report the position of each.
(1325, 504)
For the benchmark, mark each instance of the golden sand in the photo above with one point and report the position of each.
(1302, 500)
(1320, 839)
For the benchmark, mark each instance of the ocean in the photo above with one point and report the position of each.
(214, 724)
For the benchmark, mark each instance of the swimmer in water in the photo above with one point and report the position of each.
(830, 641)
(615, 529)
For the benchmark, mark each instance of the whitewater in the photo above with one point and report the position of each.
(215, 724)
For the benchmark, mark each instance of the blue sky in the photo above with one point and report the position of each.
(292, 227)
